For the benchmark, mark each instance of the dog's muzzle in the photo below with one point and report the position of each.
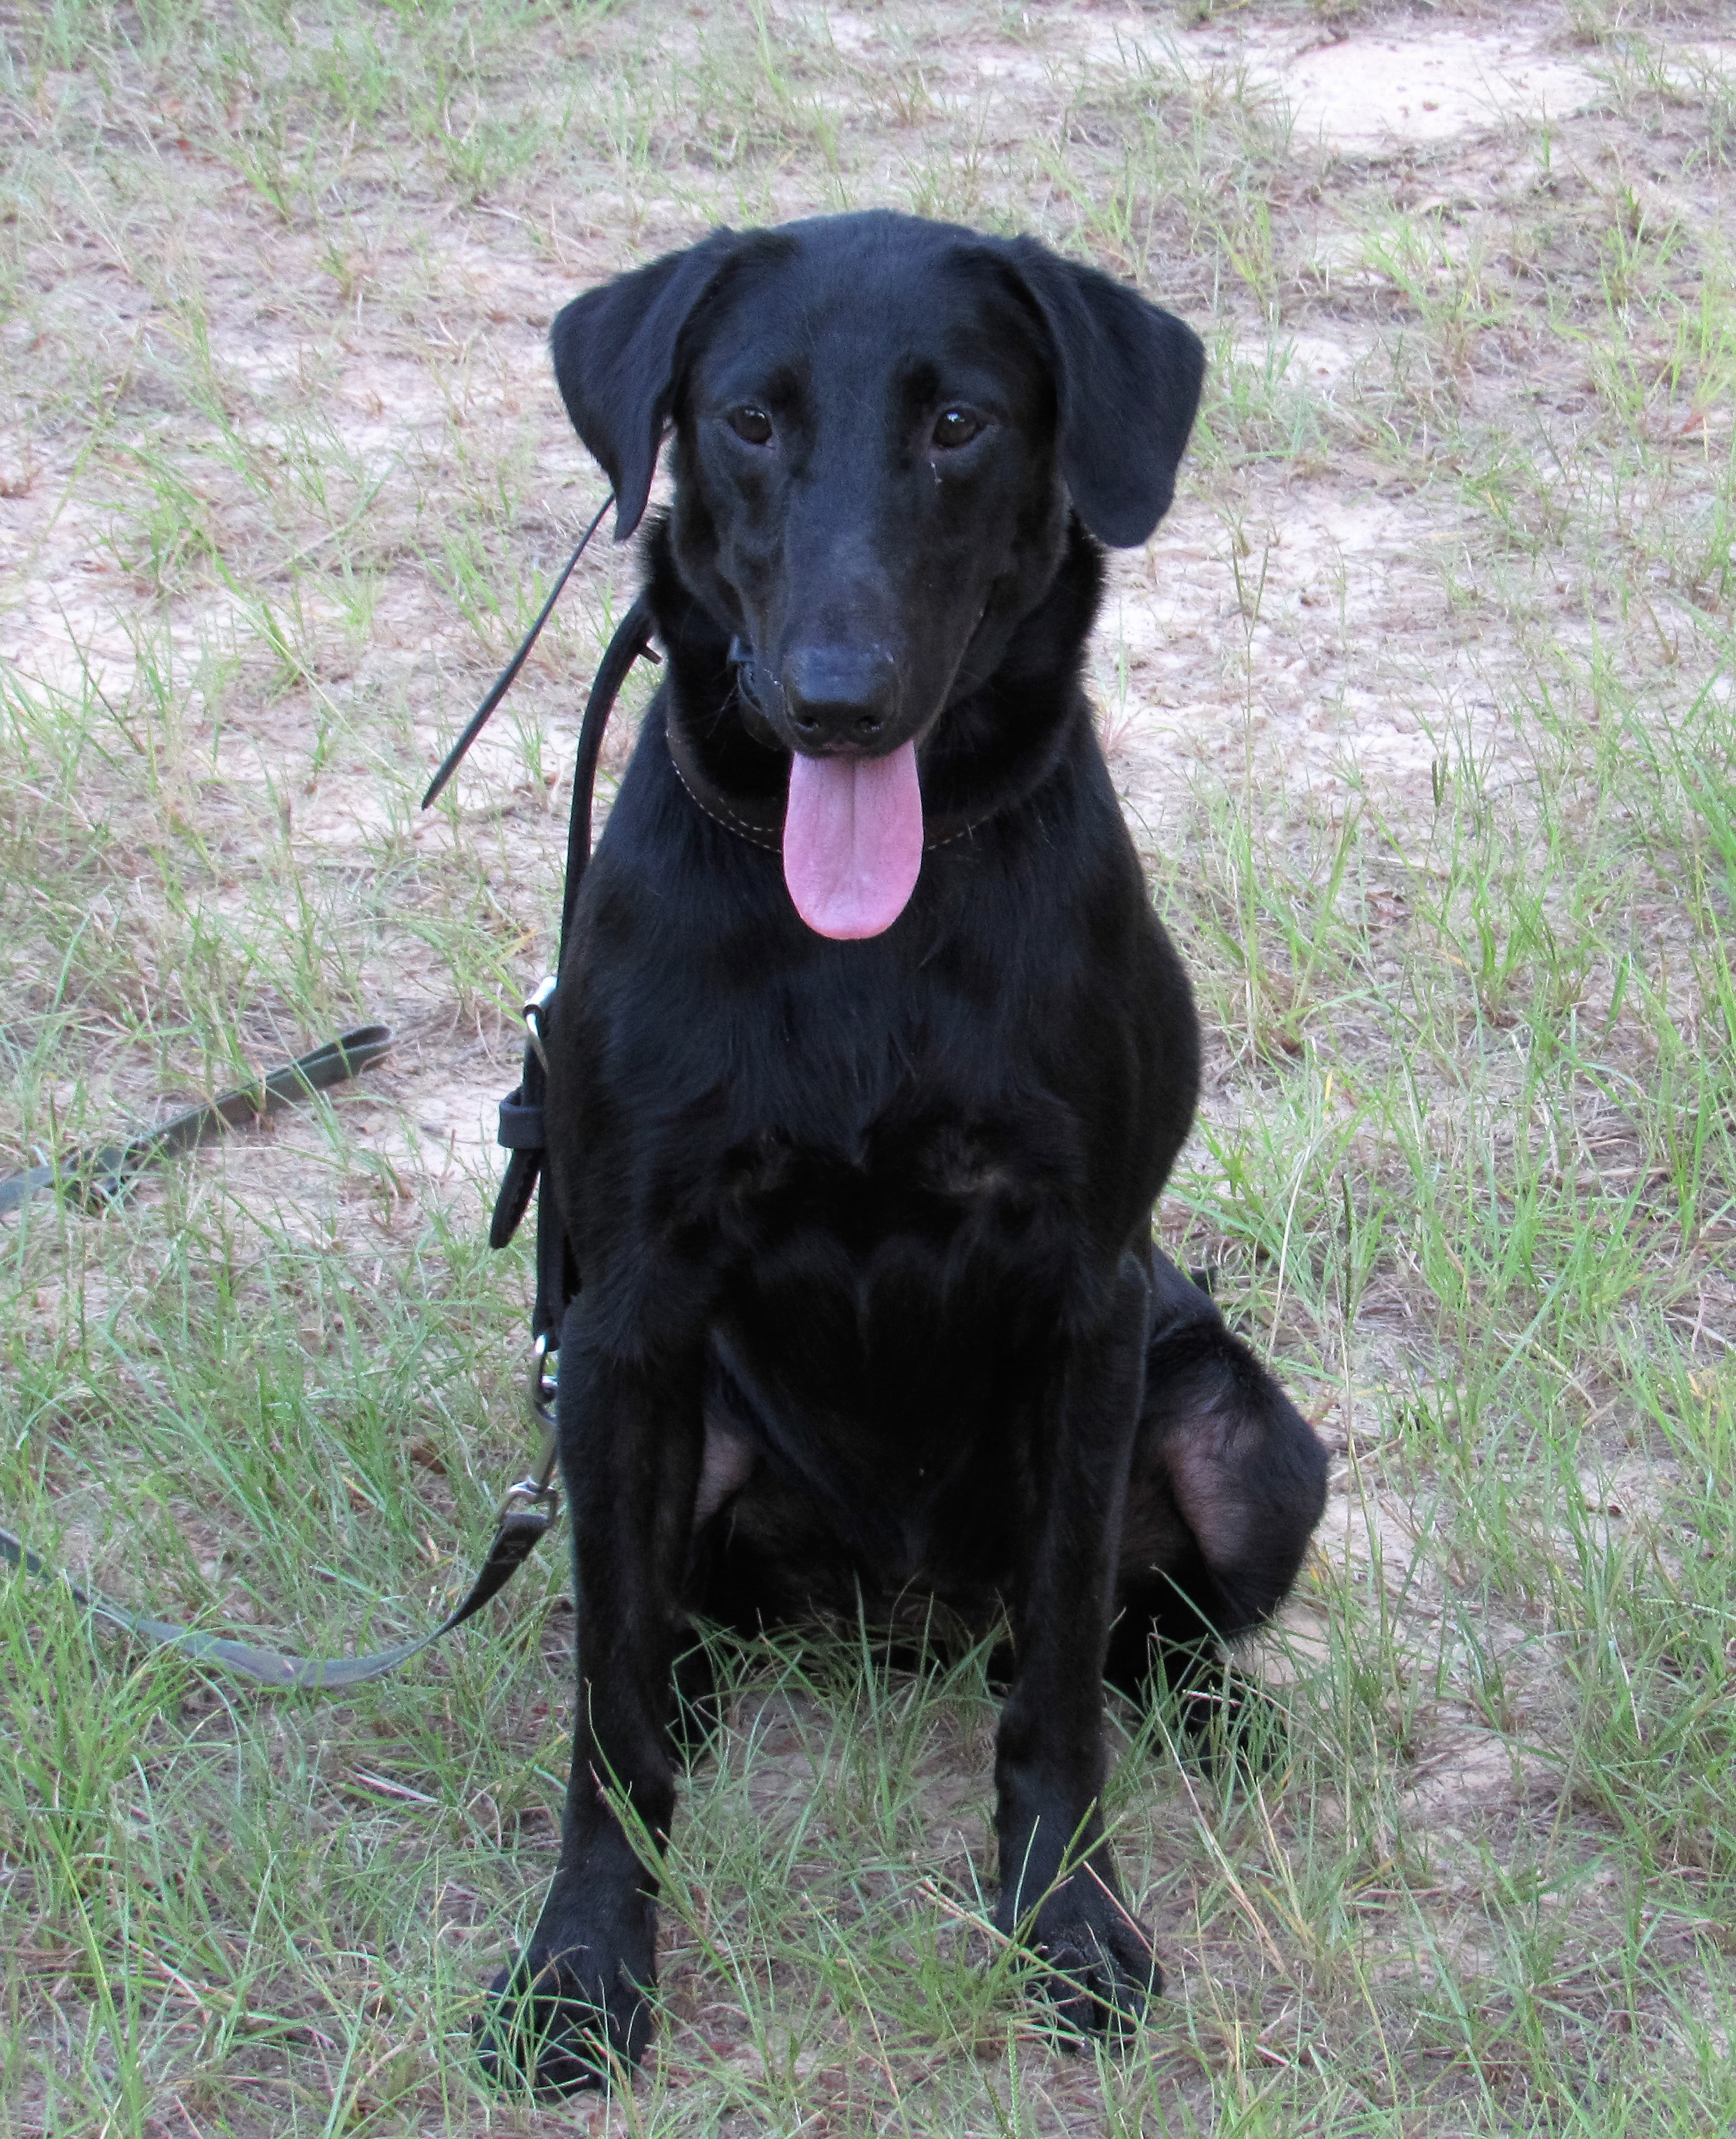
(756, 690)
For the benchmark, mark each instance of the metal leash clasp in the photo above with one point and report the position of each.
(535, 1012)
(536, 1487)
(545, 1383)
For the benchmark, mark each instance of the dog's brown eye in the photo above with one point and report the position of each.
(956, 427)
(751, 423)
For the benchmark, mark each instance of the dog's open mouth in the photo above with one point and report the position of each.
(852, 840)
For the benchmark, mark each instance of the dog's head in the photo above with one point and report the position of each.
(880, 424)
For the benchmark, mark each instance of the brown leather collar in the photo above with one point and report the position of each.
(758, 818)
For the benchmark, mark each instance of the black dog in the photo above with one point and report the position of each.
(869, 1060)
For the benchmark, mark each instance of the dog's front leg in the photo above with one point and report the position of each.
(631, 1436)
(1056, 1868)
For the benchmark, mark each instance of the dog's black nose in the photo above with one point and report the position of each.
(839, 695)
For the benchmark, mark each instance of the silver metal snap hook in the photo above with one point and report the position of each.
(536, 1486)
(534, 1013)
(544, 1382)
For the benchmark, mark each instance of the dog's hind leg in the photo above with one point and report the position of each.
(1227, 1483)
(728, 1463)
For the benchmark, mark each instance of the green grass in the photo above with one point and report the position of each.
(1424, 704)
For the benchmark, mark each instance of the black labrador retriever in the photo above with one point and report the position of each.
(869, 1060)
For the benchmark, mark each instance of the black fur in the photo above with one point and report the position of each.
(870, 1315)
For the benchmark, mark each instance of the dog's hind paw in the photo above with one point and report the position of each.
(552, 2034)
(1230, 1722)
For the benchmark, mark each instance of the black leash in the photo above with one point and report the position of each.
(529, 1506)
(94, 1176)
(504, 681)
(521, 1131)
(520, 1526)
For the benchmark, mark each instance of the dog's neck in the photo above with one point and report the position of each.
(991, 747)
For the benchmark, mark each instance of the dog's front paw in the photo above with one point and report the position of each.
(559, 2022)
(1094, 1962)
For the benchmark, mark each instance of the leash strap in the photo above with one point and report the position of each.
(521, 1129)
(521, 1132)
(632, 640)
(504, 681)
(526, 1512)
(94, 1176)
(523, 1520)
(529, 1506)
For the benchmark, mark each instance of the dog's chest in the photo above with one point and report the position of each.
(890, 1309)
(897, 1186)
(909, 1182)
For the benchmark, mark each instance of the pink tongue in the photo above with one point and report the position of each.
(852, 840)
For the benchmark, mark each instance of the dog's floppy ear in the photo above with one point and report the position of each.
(615, 352)
(1127, 380)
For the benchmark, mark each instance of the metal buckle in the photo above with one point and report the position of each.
(544, 1382)
(536, 1486)
(536, 1004)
